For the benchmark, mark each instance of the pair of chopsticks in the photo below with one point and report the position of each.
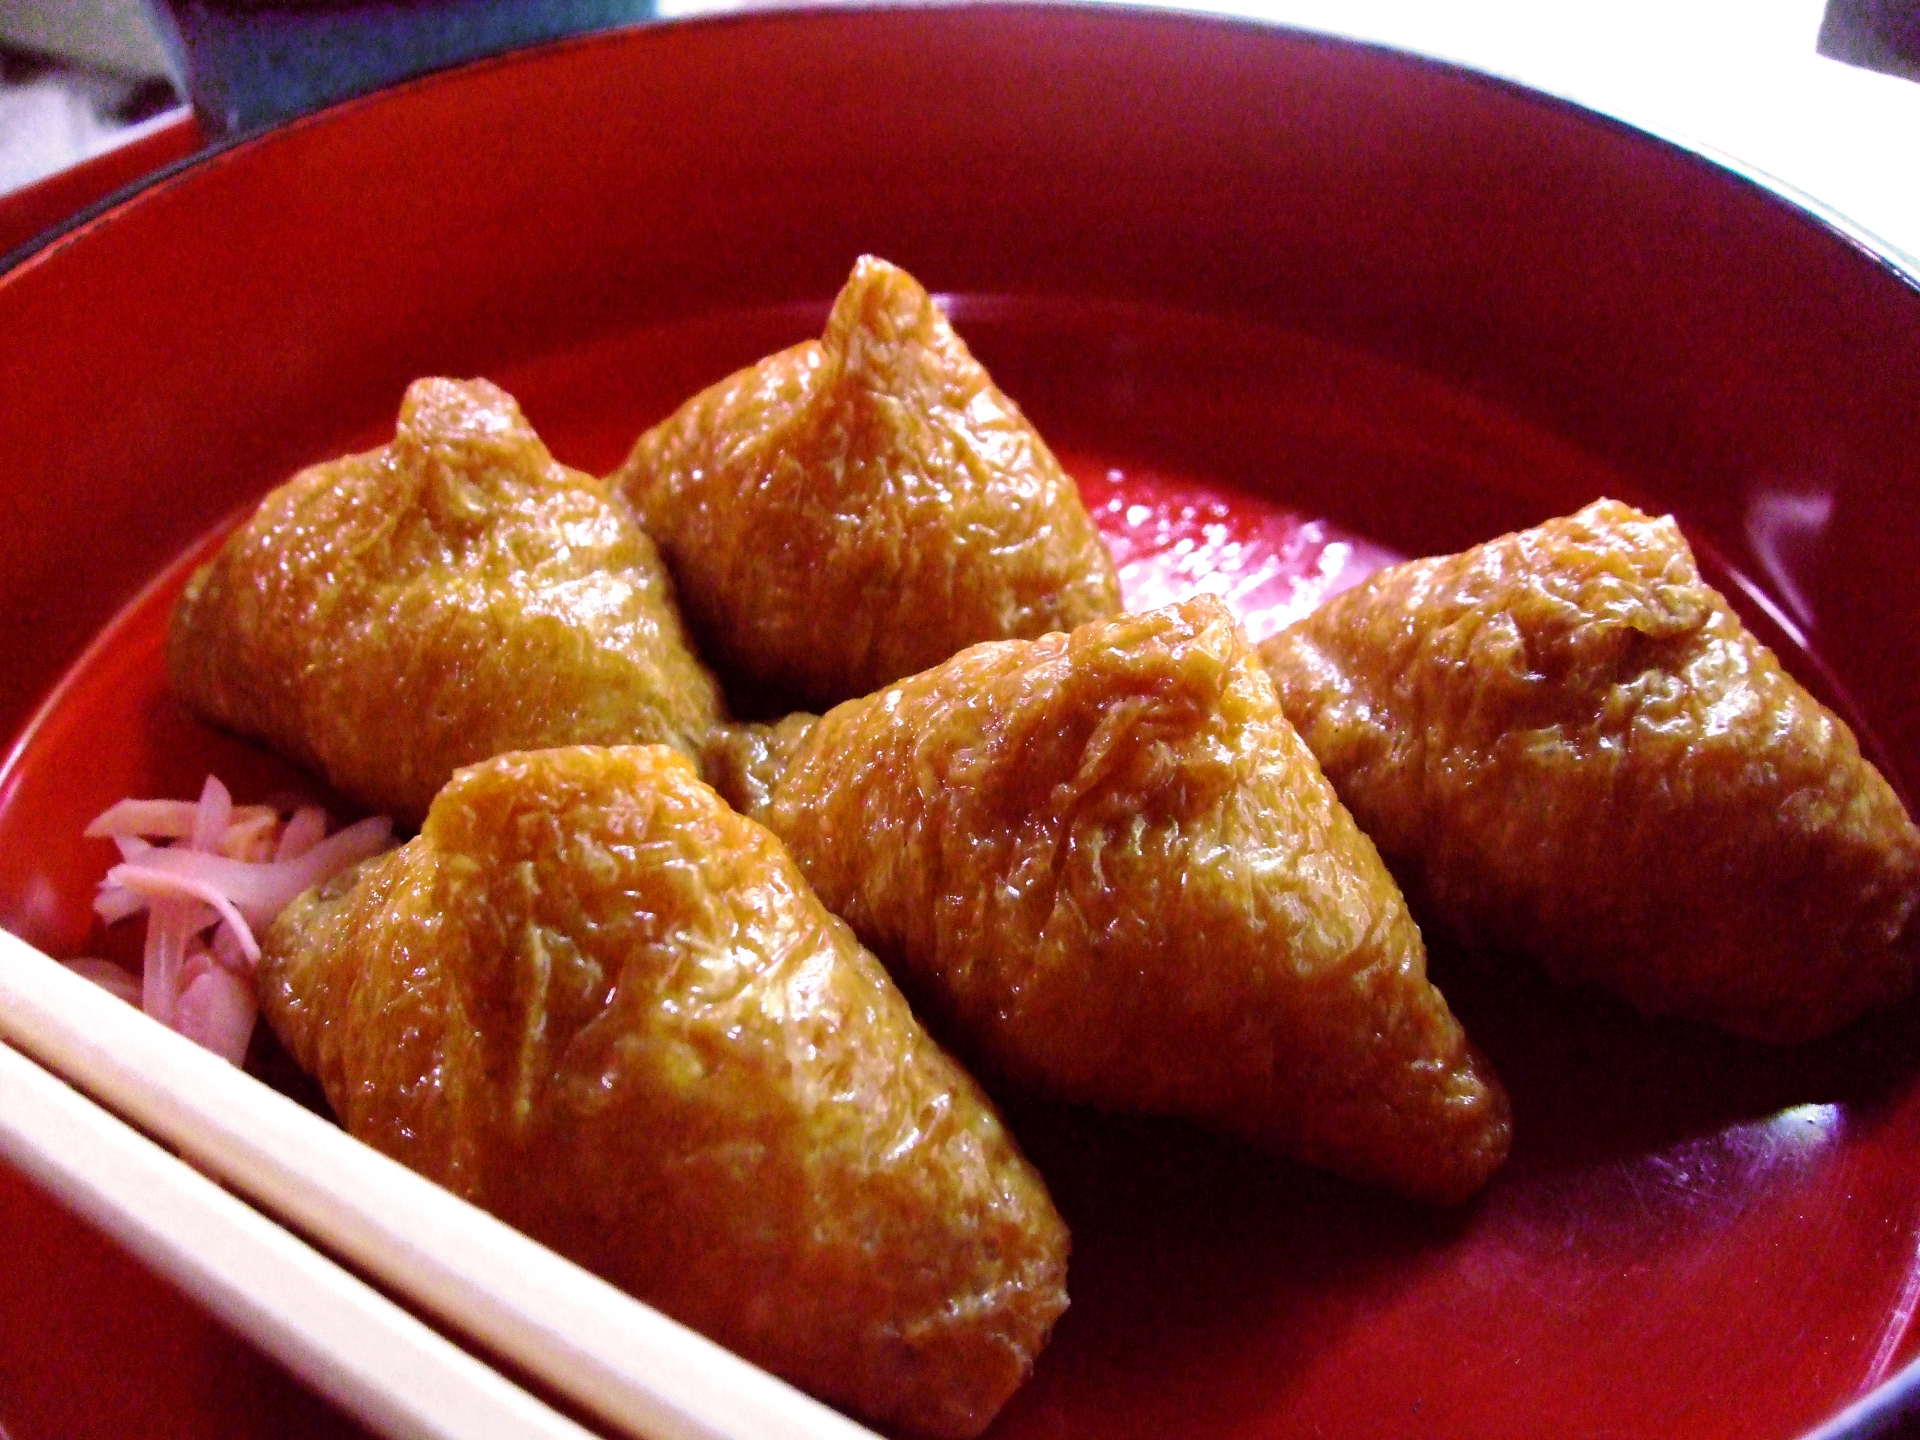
(621, 1362)
(352, 1344)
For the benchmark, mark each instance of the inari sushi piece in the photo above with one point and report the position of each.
(389, 617)
(1572, 749)
(594, 1000)
(862, 506)
(1109, 867)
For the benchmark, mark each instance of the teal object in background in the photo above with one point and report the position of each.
(246, 65)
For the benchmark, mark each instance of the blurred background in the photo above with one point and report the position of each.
(75, 77)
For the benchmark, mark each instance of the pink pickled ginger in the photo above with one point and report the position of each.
(220, 870)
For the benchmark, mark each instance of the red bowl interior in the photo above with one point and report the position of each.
(1424, 305)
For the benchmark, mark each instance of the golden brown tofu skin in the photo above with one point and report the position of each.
(1572, 748)
(596, 1001)
(1110, 867)
(860, 507)
(389, 617)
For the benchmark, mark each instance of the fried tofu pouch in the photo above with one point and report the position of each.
(1569, 744)
(860, 507)
(594, 1000)
(389, 617)
(1107, 864)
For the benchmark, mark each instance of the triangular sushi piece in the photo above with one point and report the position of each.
(860, 507)
(389, 617)
(596, 1001)
(1573, 750)
(1107, 864)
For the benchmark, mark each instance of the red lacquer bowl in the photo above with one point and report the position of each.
(1422, 304)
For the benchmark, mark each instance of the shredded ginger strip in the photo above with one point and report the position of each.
(208, 872)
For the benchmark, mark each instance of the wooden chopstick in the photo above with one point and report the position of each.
(347, 1340)
(621, 1361)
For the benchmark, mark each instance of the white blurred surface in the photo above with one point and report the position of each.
(50, 122)
(113, 35)
(69, 70)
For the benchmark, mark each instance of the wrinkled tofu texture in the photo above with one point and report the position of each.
(1573, 749)
(1110, 868)
(861, 507)
(594, 1000)
(389, 617)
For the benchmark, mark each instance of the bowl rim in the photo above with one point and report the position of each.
(1881, 253)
